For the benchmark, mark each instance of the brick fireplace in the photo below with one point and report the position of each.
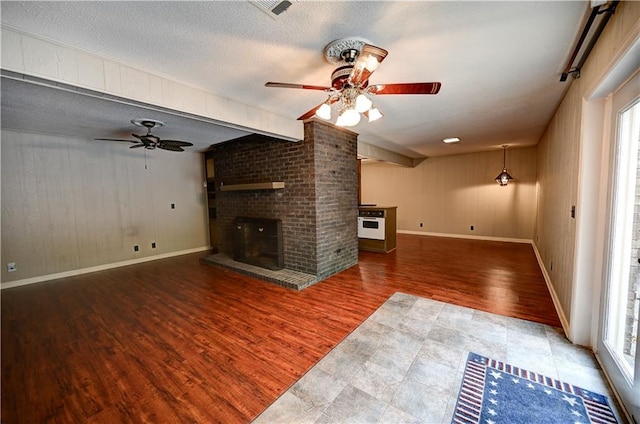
(317, 206)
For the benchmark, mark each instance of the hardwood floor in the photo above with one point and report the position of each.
(174, 340)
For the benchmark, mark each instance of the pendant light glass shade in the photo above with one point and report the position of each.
(503, 178)
(363, 103)
(348, 118)
(374, 114)
(324, 112)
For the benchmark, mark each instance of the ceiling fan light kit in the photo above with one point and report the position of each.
(350, 90)
(503, 178)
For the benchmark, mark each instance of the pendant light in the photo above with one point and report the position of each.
(503, 178)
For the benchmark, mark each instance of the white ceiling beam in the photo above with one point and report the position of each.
(35, 56)
(369, 151)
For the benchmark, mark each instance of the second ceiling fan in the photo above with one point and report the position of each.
(150, 141)
(350, 88)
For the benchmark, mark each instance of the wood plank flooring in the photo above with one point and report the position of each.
(174, 340)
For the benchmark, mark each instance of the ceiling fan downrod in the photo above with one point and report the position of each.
(350, 55)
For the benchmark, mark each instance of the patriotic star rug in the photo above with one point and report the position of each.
(493, 392)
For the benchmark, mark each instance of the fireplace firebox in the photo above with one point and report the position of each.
(258, 241)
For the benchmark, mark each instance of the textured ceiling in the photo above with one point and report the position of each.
(499, 63)
(31, 107)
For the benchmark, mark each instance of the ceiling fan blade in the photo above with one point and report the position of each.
(170, 147)
(137, 145)
(405, 88)
(175, 143)
(302, 86)
(368, 61)
(116, 139)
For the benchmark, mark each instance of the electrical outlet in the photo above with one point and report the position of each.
(471, 228)
(153, 245)
(135, 248)
(173, 206)
(421, 225)
(12, 267)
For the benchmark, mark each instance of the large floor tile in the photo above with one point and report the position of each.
(405, 364)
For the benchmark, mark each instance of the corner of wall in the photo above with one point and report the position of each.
(554, 296)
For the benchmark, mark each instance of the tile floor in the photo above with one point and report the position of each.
(404, 364)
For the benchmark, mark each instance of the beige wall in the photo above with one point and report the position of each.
(559, 162)
(70, 203)
(449, 194)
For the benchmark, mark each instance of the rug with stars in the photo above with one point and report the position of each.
(494, 392)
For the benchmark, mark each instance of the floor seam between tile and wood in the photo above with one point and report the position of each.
(405, 363)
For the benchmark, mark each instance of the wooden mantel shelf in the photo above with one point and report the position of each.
(272, 185)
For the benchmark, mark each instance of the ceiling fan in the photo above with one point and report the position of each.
(150, 141)
(350, 88)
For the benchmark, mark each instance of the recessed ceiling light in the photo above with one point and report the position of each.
(450, 140)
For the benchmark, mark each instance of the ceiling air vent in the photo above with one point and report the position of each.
(271, 7)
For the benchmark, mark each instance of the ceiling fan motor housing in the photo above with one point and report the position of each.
(340, 77)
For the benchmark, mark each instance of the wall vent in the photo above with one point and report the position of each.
(272, 8)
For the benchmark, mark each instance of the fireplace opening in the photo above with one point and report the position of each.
(258, 241)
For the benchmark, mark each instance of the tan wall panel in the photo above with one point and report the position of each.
(69, 203)
(448, 194)
(558, 159)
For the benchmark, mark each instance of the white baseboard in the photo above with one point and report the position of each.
(465, 236)
(556, 301)
(48, 277)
